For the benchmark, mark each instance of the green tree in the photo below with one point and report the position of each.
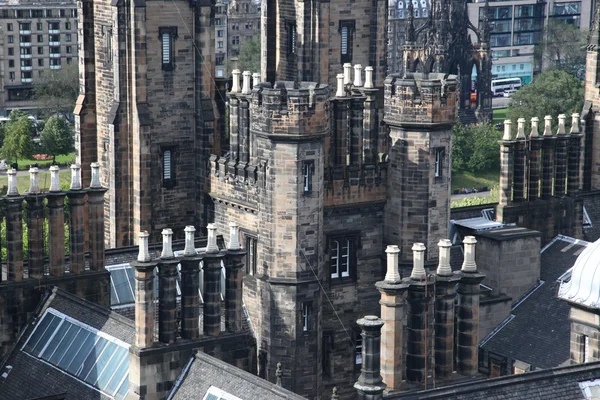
(57, 90)
(18, 138)
(562, 47)
(475, 147)
(551, 93)
(57, 137)
(249, 58)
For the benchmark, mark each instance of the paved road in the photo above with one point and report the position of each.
(500, 102)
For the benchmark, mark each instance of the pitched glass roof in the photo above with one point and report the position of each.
(76, 349)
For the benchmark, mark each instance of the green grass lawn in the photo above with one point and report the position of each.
(499, 115)
(62, 160)
(476, 180)
(43, 179)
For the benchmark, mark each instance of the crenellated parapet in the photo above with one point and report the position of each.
(356, 183)
(424, 99)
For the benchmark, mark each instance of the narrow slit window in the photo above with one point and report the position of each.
(305, 316)
(346, 30)
(292, 38)
(167, 36)
(307, 173)
(168, 164)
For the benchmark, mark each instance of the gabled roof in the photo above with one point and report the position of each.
(538, 332)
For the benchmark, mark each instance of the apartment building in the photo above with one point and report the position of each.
(221, 38)
(37, 36)
(516, 27)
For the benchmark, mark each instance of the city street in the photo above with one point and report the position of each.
(500, 102)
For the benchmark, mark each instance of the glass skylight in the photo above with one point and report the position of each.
(81, 351)
(214, 393)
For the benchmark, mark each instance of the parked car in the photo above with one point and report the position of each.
(508, 93)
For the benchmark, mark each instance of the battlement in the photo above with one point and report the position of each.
(418, 98)
(353, 184)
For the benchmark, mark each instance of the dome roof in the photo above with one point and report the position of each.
(584, 286)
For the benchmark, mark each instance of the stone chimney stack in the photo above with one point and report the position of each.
(370, 123)
(35, 226)
(574, 155)
(444, 313)
(14, 230)
(416, 347)
(56, 223)
(370, 386)
(76, 196)
(96, 219)
(233, 281)
(393, 292)
(212, 284)
(468, 311)
(167, 291)
(547, 158)
(533, 173)
(506, 166)
(144, 293)
(562, 145)
(519, 163)
(190, 284)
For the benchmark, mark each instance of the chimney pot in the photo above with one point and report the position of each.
(234, 241)
(211, 245)
(521, 128)
(574, 123)
(347, 74)
(392, 274)
(561, 125)
(507, 129)
(246, 82)
(12, 183)
(469, 260)
(255, 79)
(95, 182)
(418, 271)
(534, 127)
(75, 177)
(190, 249)
(369, 77)
(34, 186)
(143, 253)
(444, 268)
(54, 178)
(235, 86)
(548, 125)
(358, 75)
(167, 250)
(340, 86)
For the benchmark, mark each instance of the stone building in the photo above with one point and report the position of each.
(243, 23)
(37, 36)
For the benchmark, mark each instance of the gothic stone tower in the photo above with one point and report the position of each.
(142, 110)
(420, 110)
(272, 186)
(311, 40)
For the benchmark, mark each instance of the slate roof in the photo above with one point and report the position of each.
(591, 202)
(206, 371)
(550, 384)
(539, 332)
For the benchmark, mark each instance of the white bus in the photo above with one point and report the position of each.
(500, 85)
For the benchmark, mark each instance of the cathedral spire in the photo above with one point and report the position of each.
(485, 29)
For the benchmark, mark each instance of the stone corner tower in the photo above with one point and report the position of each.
(420, 110)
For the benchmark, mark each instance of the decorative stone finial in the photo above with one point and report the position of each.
(246, 82)
(392, 274)
(235, 86)
(167, 249)
(418, 271)
(561, 125)
(190, 249)
(548, 125)
(469, 260)
(534, 127)
(234, 240)
(34, 186)
(507, 129)
(521, 128)
(369, 77)
(358, 75)
(255, 79)
(334, 395)
(347, 73)
(574, 123)
(444, 268)
(95, 182)
(143, 253)
(54, 178)
(340, 86)
(211, 245)
(75, 177)
(12, 183)
(278, 374)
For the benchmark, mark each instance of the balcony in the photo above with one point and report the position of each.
(26, 68)
(55, 67)
(53, 43)
(54, 31)
(25, 44)
(26, 80)
(26, 56)
(25, 32)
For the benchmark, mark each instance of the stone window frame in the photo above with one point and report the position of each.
(352, 238)
(107, 33)
(348, 28)
(170, 181)
(357, 344)
(308, 171)
(292, 37)
(250, 244)
(439, 161)
(168, 33)
(306, 317)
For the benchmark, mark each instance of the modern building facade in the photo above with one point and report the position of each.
(37, 36)
(516, 27)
